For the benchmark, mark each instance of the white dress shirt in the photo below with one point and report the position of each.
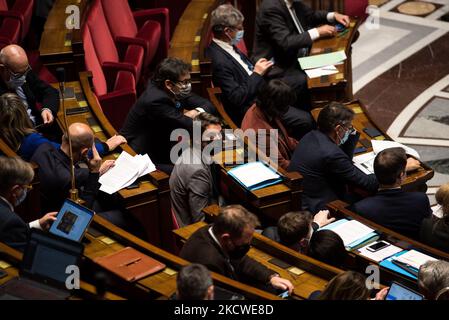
(229, 49)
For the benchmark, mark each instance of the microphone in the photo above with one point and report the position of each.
(60, 75)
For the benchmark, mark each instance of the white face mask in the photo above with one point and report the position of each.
(15, 83)
(21, 198)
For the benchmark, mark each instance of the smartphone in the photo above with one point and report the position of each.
(399, 292)
(284, 295)
(340, 27)
(377, 246)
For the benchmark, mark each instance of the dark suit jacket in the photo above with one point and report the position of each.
(55, 181)
(152, 119)
(238, 88)
(435, 233)
(36, 91)
(327, 170)
(201, 248)
(397, 210)
(276, 33)
(13, 230)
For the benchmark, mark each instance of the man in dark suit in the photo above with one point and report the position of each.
(392, 207)
(222, 248)
(167, 104)
(324, 158)
(17, 77)
(237, 77)
(16, 176)
(285, 30)
(54, 168)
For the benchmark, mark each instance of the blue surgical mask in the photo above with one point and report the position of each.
(238, 37)
(15, 83)
(22, 197)
(345, 138)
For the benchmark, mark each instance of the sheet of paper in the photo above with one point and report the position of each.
(321, 60)
(253, 173)
(124, 171)
(352, 231)
(381, 254)
(323, 71)
(365, 162)
(378, 146)
(414, 258)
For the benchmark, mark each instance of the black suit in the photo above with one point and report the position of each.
(435, 233)
(240, 90)
(152, 119)
(13, 230)
(397, 210)
(327, 170)
(277, 37)
(36, 91)
(55, 179)
(201, 248)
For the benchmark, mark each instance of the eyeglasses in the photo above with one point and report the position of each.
(17, 75)
(351, 128)
(27, 186)
(185, 82)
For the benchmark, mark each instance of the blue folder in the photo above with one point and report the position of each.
(356, 243)
(260, 185)
(388, 264)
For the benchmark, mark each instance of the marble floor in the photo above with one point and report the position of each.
(401, 72)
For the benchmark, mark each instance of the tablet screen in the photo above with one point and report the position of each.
(72, 221)
(398, 292)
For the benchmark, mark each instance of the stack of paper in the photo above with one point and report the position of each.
(125, 171)
(365, 162)
(414, 259)
(254, 175)
(381, 254)
(379, 146)
(322, 64)
(353, 233)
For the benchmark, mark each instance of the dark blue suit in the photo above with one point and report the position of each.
(397, 210)
(327, 170)
(13, 230)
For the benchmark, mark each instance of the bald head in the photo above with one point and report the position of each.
(14, 58)
(82, 137)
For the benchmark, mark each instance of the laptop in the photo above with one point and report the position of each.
(72, 221)
(43, 269)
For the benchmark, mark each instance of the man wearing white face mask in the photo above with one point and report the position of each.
(324, 158)
(16, 176)
(17, 77)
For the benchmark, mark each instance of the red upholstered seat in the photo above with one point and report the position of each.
(15, 19)
(115, 97)
(356, 8)
(150, 28)
(24, 8)
(130, 59)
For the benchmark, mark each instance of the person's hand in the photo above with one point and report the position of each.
(343, 19)
(382, 294)
(191, 113)
(108, 164)
(114, 141)
(326, 30)
(281, 283)
(412, 164)
(262, 65)
(47, 117)
(46, 221)
(322, 218)
(94, 164)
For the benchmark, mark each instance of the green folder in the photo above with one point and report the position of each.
(321, 60)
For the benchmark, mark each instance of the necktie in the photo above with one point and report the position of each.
(23, 97)
(303, 51)
(244, 58)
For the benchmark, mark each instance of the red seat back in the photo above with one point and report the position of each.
(93, 63)
(120, 18)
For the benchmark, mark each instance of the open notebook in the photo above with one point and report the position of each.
(254, 175)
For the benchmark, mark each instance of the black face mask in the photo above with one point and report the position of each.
(239, 251)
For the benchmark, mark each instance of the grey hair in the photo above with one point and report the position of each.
(433, 277)
(14, 171)
(193, 281)
(225, 16)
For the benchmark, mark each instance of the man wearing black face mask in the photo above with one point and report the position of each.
(16, 176)
(222, 247)
(167, 104)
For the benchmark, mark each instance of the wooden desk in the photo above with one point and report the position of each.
(57, 42)
(160, 284)
(14, 258)
(335, 87)
(306, 283)
(339, 210)
(150, 203)
(415, 181)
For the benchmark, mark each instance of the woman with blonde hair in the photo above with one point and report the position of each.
(17, 131)
(434, 230)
